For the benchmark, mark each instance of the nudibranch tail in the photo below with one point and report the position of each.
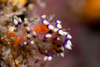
(11, 34)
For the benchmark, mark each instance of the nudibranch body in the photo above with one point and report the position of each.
(49, 38)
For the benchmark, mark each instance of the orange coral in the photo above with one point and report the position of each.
(21, 3)
(92, 9)
(3, 1)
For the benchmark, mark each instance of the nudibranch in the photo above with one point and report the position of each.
(49, 37)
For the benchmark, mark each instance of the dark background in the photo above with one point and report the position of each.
(83, 19)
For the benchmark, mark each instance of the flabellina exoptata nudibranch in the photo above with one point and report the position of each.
(48, 36)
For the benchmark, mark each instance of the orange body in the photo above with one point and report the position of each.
(38, 29)
(11, 34)
(16, 41)
(41, 28)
